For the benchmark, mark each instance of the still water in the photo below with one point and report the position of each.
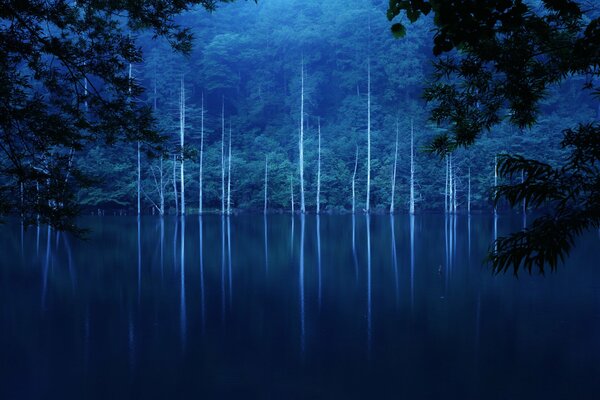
(286, 308)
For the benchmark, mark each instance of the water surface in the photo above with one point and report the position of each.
(291, 307)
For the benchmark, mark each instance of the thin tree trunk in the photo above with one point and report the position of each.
(319, 170)
(301, 142)
(175, 184)
(412, 169)
(354, 182)
(394, 171)
(229, 174)
(495, 181)
(469, 194)
(292, 191)
(368, 202)
(266, 183)
(181, 143)
(446, 186)
(201, 155)
(223, 157)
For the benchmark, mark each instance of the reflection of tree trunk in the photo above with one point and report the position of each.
(200, 249)
(139, 258)
(369, 285)
(319, 271)
(394, 258)
(266, 244)
(222, 267)
(354, 256)
(229, 269)
(301, 282)
(354, 182)
(182, 305)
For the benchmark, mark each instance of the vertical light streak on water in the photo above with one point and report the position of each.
(447, 252)
(201, 250)
(222, 268)
(412, 260)
(319, 271)
(495, 232)
(162, 247)
(354, 256)
(139, 259)
(37, 239)
(369, 288)
(72, 274)
(292, 237)
(182, 305)
(229, 269)
(469, 236)
(266, 244)
(46, 267)
(395, 259)
(301, 283)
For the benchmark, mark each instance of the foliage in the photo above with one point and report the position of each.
(499, 60)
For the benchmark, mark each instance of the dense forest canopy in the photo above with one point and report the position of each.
(80, 77)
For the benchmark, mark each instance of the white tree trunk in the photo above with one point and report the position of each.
(368, 202)
(412, 169)
(446, 186)
(229, 174)
(181, 143)
(175, 184)
(301, 141)
(394, 171)
(292, 192)
(450, 185)
(223, 157)
(319, 170)
(201, 156)
(354, 182)
(495, 181)
(266, 183)
(469, 194)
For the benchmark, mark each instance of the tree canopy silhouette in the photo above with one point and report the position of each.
(496, 60)
(64, 83)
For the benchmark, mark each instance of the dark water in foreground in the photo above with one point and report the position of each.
(308, 308)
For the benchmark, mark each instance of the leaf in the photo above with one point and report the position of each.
(398, 30)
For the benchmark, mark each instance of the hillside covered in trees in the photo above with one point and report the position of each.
(245, 73)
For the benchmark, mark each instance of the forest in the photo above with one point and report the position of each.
(235, 104)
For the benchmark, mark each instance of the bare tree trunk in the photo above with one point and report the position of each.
(292, 191)
(394, 171)
(229, 174)
(266, 183)
(446, 186)
(412, 169)
(368, 202)
(201, 155)
(354, 182)
(319, 170)
(469, 194)
(223, 157)
(301, 142)
(495, 181)
(181, 143)
(175, 184)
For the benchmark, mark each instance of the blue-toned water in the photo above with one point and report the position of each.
(291, 308)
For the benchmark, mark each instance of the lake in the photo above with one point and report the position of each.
(289, 307)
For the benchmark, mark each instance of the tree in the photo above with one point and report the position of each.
(500, 59)
(64, 85)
